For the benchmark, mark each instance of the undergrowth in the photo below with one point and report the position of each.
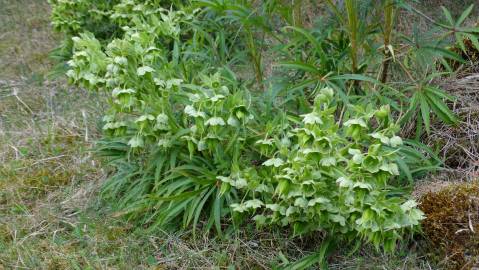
(207, 103)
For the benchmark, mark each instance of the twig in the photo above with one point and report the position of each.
(83, 112)
(42, 160)
(15, 93)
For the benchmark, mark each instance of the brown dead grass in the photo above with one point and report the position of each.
(458, 145)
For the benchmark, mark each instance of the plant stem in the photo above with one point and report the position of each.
(388, 28)
(351, 9)
(256, 57)
(297, 21)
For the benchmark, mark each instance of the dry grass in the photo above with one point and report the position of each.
(433, 7)
(459, 145)
(25, 38)
(48, 176)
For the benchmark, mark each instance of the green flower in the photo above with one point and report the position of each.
(312, 118)
(136, 142)
(141, 71)
(275, 162)
(371, 164)
(215, 121)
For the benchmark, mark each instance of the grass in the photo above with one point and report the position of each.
(48, 177)
(50, 217)
(25, 38)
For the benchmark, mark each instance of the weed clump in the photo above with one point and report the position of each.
(452, 224)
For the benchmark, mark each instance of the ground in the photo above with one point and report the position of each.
(48, 177)
(50, 214)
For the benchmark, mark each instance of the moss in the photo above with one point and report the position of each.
(452, 224)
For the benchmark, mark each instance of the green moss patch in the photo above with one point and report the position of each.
(452, 224)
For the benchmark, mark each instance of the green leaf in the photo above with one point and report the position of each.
(439, 93)
(411, 111)
(405, 169)
(448, 15)
(441, 110)
(180, 196)
(444, 53)
(425, 113)
(464, 15)
(315, 258)
(355, 77)
(474, 40)
(217, 212)
(338, 219)
(371, 164)
(311, 39)
(460, 41)
(199, 208)
(358, 121)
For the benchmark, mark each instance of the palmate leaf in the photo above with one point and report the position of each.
(464, 15)
(363, 78)
(416, 159)
(435, 98)
(459, 32)
(441, 52)
(355, 77)
(429, 99)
